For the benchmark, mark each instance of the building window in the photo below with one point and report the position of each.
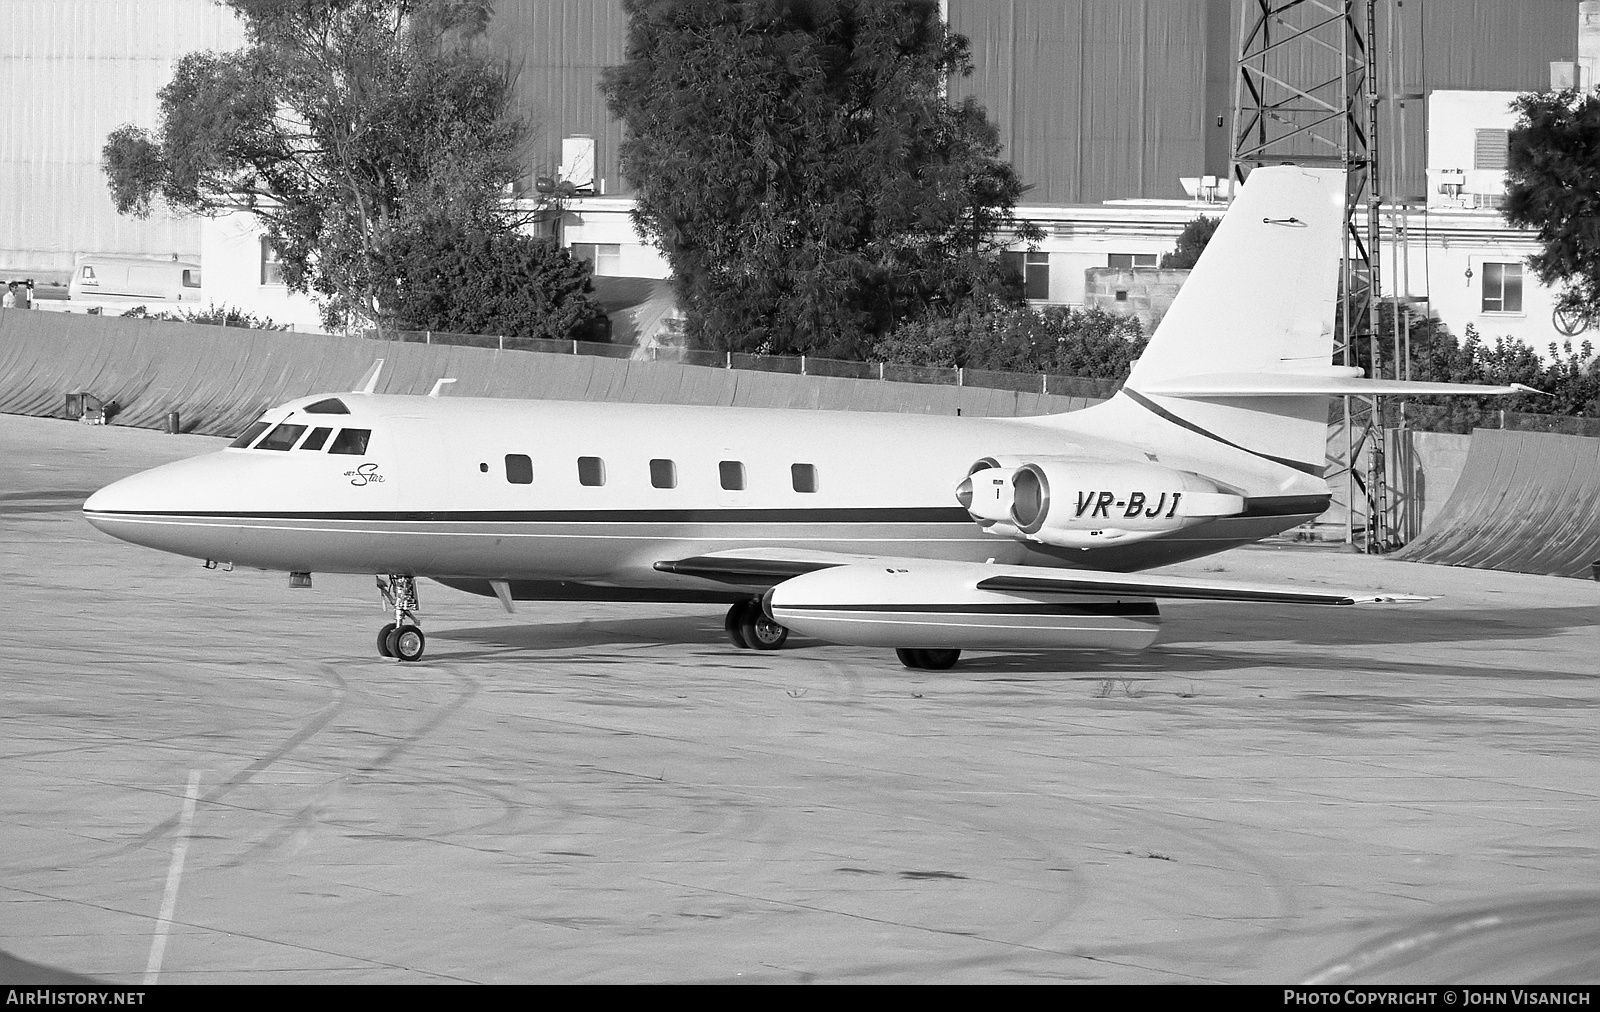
(605, 258)
(591, 471)
(663, 474)
(1033, 269)
(271, 266)
(519, 469)
(191, 279)
(1130, 260)
(1502, 288)
(804, 476)
(1489, 149)
(732, 472)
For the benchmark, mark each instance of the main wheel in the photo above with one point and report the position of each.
(734, 625)
(940, 660)
(407, 643)
(383, 640)
(759, 631)
(910, 658)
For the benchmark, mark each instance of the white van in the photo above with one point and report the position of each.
(110, 278)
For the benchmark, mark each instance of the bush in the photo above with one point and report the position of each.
(213, 315)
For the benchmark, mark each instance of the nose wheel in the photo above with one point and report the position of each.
(401, 639)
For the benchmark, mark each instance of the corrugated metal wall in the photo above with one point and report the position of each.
(1095, 99)
(71, 71)
(1098, 99)
(559, 48)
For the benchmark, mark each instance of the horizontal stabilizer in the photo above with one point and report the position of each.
(1299, 384)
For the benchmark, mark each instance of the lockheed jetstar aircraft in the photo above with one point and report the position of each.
(926, 534)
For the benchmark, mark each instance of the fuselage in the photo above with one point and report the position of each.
(595, 494)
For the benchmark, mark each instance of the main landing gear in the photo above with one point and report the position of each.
(401, 638)
(749, 628)
(931, 660)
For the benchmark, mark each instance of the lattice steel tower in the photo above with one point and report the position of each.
(1306, 92)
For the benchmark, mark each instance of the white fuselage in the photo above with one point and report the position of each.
(481, 489)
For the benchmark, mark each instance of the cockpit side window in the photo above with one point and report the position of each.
(319, 435)
(352, 441)
(249, 435)
(328, 406)
(282, 438)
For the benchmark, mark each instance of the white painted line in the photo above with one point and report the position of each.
(169, 899)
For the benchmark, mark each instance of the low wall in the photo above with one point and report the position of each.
(219, 379)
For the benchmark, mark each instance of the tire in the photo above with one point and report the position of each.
(759, 631)
(734, 625)
(384, 650)
(408, 643)
(940, 660)
(910, 658)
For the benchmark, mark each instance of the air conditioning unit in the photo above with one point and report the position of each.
(1450, 182)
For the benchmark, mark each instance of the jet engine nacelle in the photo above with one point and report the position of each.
(1081, 504)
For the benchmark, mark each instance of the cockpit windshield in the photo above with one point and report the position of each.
(249, 435)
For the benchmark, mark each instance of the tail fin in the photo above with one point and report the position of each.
(1261, 298)
(1257, 308)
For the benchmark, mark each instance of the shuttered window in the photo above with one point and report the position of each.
(1489, 150)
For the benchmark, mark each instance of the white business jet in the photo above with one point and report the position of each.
(925, 534)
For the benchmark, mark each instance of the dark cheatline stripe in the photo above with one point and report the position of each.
(1019, 608)
(1315, 470)
(742, 572)
(1066, 585)
(857, 515)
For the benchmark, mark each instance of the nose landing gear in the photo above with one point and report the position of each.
(402, 638)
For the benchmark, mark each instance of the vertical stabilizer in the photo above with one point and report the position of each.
(1241, 363)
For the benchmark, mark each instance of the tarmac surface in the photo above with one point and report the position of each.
(208, 777)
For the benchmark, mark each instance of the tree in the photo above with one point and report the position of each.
(1191, 243)
(454, 276)
(799, 166)
(1090, 343)
(1553, 186)
(339, 122)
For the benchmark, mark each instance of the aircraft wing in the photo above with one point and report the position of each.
(766, 567)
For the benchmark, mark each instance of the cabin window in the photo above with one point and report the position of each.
(519, 469)
(88, 273)
(732, 474)
(249, 435)
(1502, 288)
(282, 438)
(663, 474)
(271, 264)
(319, 435)
(804, 477)
(591, 471)
(351, 441)
(327, 406)
(191, 279)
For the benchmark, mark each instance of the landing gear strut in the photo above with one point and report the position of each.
(401, 638)
(749, 628)
(931, 660)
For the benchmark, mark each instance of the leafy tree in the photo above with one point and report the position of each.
(800, 167)
(338, 123)
(1553, 185)
(1191, 243)
(451, 276)
(1057, 339)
